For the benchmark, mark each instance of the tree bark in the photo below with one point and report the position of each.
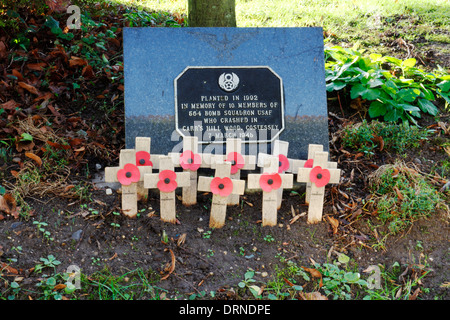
(211, 13)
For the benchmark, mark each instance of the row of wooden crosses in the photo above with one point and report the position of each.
(135, 174)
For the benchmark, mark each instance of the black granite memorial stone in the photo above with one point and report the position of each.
(170, 70)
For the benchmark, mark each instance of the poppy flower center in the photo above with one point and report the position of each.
(270, 182)
(166, 180)
(190, 160)
(319, 176)
(280, 163)
(128, 174)
(141, 161)
(221, 186)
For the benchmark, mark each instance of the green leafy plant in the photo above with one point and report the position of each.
(248, 283)
(397, 89)
(337, 282)
(49, 262)
(45, 233)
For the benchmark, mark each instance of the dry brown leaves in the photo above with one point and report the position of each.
(170, 268)
(8, 206)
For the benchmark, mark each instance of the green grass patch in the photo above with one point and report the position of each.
(402, 196)
(366, 137)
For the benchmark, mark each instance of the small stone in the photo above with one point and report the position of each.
(417, 161)
(15, 225)
(264, 274)
(109, 192)
(77, 235)
(98, 166)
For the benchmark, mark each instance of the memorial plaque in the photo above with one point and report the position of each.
(216, 103)
(167, 70)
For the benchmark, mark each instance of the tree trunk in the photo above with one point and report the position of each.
(211, 13)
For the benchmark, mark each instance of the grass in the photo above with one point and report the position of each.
(402, 196)
(366, 137)
(344, 20)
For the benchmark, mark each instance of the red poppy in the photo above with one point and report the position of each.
(190, 161)
(269, 182)
(237, 161)
(143, 159)
(319, 176)
(309, 163)
(221, 186)
(283, 163)
(167, 181)
(129, 174)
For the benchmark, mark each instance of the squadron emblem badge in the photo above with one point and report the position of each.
(228, 81)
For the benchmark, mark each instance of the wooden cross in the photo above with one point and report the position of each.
(222, 187)
(234, 147)
(280, 149)
(129, 175)
(167, 180)
(295, 164)
(270, 181)
(191, 161)
(319, 176)
(142, 144)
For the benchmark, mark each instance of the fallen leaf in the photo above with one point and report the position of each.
(172, 266)
(395, 173)
(8, 205)
(17, 74)
(399, 194)
(378, 140)
(181, 239)
(3, 51)
(34, 157)
(28, 87)
(314, 272)
(312, 296)
(24, 145)
(76, 61)
(36, 66)
(288, 282)
(334, 223)
(88, 72)
(4, 266)
(58, 145)
(59, 286)
(9, 105)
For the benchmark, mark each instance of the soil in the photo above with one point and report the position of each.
(216, 260)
